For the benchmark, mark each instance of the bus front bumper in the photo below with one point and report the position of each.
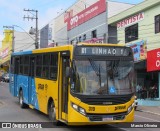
(75, 118)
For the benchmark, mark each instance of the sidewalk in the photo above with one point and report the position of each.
(149, 102)
(149, 109)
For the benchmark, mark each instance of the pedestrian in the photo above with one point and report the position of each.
(138, 90)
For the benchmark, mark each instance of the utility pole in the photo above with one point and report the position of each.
(35, 16)
(11, 27)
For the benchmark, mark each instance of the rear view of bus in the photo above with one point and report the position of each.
(101, 85)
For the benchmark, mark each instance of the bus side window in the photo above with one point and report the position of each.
(45, 70)
(21, 64)
(12, 65)
(53, 66)
(38, 65)
(26, 65)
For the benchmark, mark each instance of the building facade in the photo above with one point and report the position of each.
(22, 41)
(91, 25)
(139, 28)
(5, 51)
(47, 35)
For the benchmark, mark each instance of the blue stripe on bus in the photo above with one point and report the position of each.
(27, 84)
(22, 53)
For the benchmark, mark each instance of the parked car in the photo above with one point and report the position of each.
(2, 77)
(6, 77)
(135, 103)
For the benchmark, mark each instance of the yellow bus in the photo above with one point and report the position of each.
(79, 84)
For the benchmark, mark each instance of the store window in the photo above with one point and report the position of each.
(131, 33)
(157, 24)
(80, 39)
(84, 37)
(94, 34)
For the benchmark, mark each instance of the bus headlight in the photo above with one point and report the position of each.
(130, 108)
(78, 109)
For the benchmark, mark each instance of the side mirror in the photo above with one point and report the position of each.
(68, 72)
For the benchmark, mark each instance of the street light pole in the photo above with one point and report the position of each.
(11, 27)
(36, 18)
(36, 44)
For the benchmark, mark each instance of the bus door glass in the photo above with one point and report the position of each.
(64, 91)
(12, 71)
(17, 68)
(32, 91)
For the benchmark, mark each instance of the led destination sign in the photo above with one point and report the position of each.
(103, 51)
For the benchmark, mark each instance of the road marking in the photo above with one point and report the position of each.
(148, 118)
(151, 112)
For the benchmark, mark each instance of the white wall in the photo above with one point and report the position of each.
(23, 41)
(115, 8)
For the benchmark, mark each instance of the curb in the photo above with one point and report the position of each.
(149, 112)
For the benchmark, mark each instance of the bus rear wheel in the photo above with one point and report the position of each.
(21, 102)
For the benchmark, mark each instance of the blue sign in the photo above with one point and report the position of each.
(139, 50)
(112, 90)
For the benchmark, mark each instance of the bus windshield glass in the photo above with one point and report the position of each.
(92, 77)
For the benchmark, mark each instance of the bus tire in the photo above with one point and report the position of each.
(22, 104)
(52, 111)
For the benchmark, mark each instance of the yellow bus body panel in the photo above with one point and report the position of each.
(75, 118)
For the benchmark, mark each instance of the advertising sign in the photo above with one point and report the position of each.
(131, 20)
(4, 53)
(49, 33)
(139, 50)
(87, 14)
(153, 60)
(95, 40)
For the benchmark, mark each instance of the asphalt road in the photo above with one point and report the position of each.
(10, 111)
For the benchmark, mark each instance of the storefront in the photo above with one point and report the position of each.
(5, 51)
(138, 27)
(153, 67)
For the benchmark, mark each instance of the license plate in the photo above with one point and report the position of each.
(109, 118)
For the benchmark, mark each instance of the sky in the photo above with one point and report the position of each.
(12, 12)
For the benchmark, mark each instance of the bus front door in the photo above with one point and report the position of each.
(64, 89)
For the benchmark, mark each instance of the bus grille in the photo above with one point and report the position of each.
(118, 116)
(107, 101)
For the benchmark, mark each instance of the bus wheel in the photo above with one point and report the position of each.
(52, 112)
(22, 104)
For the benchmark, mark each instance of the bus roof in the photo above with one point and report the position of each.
(62, 48)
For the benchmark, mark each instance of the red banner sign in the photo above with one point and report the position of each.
(90, 12)
(68, 15)
(4, 53)
(153, 60)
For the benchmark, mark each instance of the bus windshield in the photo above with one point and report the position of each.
(92, 77)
